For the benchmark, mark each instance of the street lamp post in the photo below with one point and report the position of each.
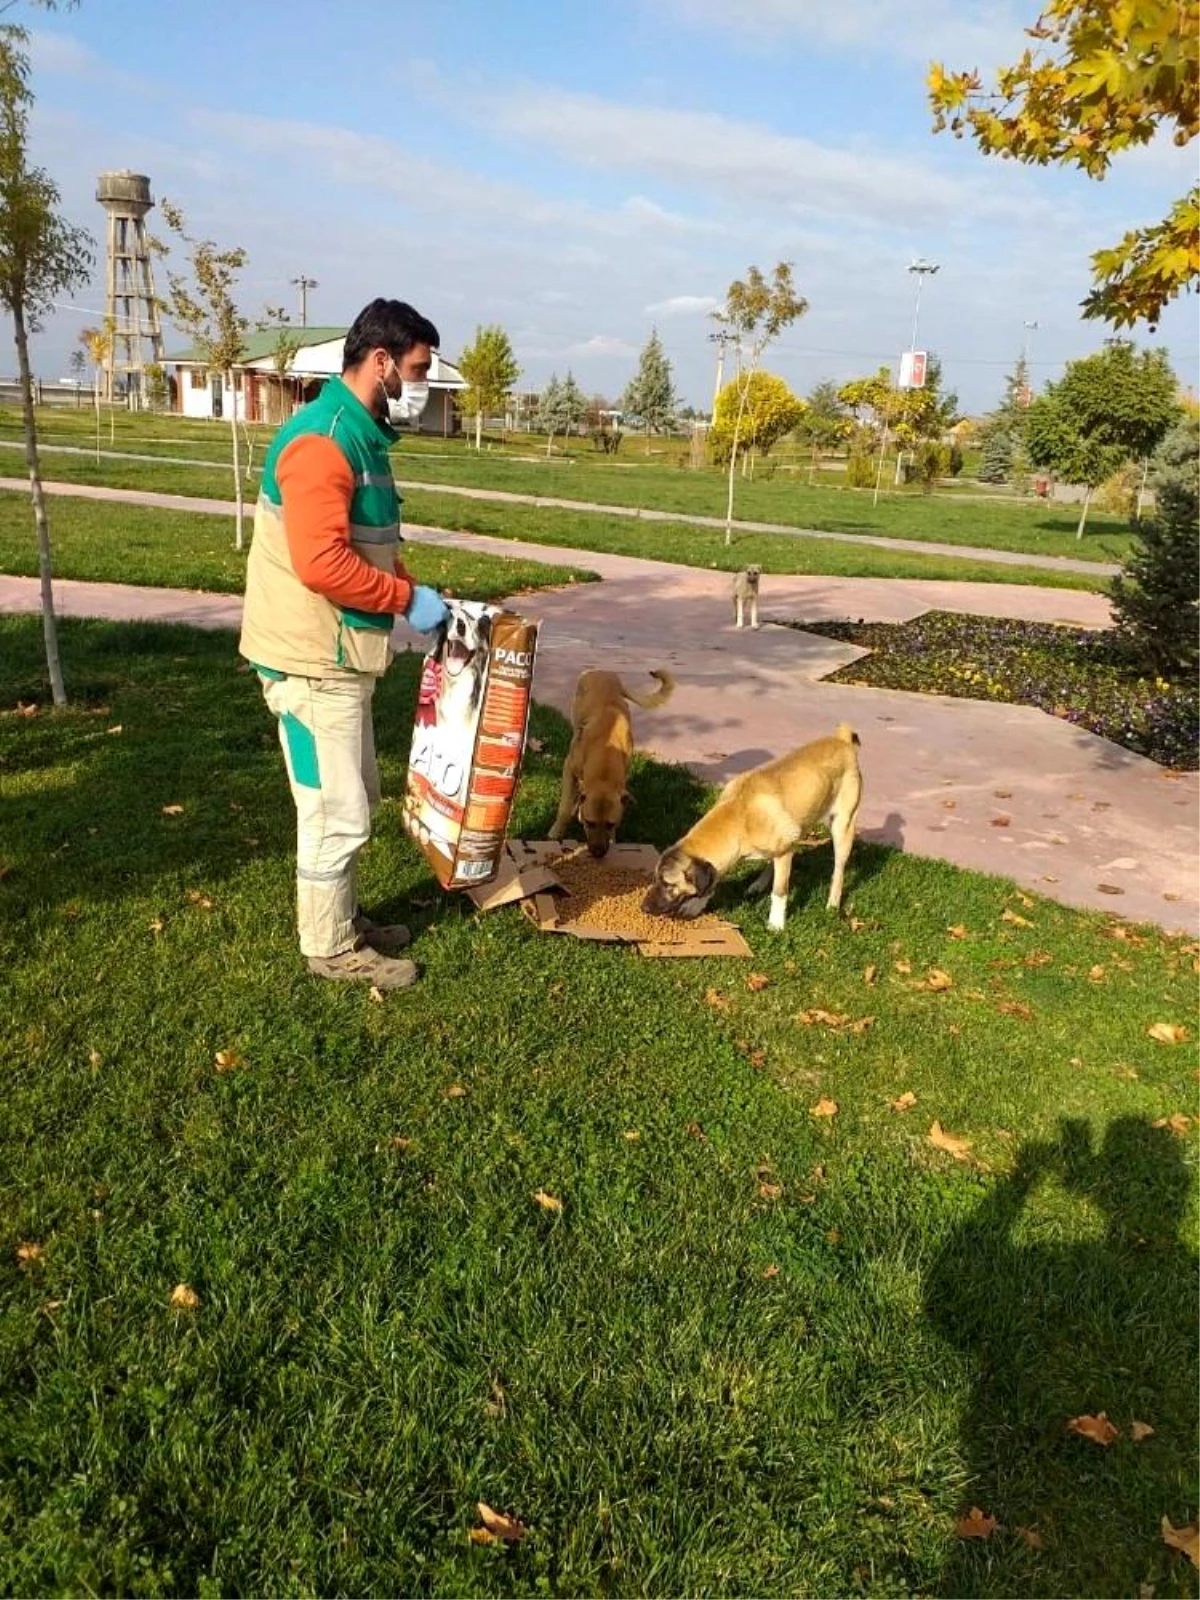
(920, 269)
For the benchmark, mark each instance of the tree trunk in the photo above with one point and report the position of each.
(647, 438)
(479, 429)
(549, 442)
(239, 542)
(812, 467)
(96, 396)
(1087, 500)
(744, 390)
(879, 469)
(41, 520)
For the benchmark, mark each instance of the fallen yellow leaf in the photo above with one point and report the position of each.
(756, 982)
(481, 1536)
(501, 1526)
(1139, 1431)
(1031, 1537)
(632, 1135)
(974, 1525)
(29, 1252)
(830, 1019)
(172, 811)
(1186, 1539)
(1016, 1008)
(375, 993)
(937, 980)
(959, 1148)
(1098, 1429)
(1168, 1033)
(184, 1298)
(227, 1060)
(870, 973)
(714, 998)
(771, 1272)
(1179, 1124)
(116, 728)
(825, 1107)
(1097, 973)
(905, 1103)
(456, 1091)
(548, 1202)
(958, 931)
(1018, 921)
(770, 1191)
(904, 966)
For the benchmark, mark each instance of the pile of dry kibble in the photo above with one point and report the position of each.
(610, 899)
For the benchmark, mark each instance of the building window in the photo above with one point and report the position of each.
(197, 378)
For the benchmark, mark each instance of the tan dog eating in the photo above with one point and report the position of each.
(762, 816)
(597, 765)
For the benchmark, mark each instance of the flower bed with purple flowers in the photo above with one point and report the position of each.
(1073, 673)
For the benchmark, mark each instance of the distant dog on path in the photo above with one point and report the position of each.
(745, 593)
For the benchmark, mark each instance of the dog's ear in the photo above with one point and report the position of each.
(485, 631)
(701, 874)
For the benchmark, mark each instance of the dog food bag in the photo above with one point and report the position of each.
(468, 740)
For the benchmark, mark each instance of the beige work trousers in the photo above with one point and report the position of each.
(329, 746)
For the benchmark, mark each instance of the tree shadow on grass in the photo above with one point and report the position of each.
(1056, 1330)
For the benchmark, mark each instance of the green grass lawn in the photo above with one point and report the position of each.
(93, 539)
(627, 480)
(112, 543)
(757, 1352)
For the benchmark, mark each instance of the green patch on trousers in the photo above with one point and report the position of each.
(302, 751)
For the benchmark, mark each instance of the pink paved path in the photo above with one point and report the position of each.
(1081, 812)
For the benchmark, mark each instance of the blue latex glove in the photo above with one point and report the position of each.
(427, 611)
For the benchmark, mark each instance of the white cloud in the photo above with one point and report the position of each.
(966, 33)
(741, 163)
(683, 305)
(601, 344)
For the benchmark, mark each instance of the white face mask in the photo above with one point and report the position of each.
(407, 406)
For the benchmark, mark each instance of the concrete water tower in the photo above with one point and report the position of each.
(130, 302)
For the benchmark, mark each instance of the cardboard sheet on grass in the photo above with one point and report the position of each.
(525, 876)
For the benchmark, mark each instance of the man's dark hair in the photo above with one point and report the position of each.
(389, 325)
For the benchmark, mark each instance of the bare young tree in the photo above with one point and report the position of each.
(204, 307)
(756, 312)
(41, 257)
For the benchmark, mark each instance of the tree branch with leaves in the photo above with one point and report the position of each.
(203, 306)
(756, 311)
(42, 256)
(1099, 78)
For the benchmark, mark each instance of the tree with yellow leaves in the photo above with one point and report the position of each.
(1102, 76)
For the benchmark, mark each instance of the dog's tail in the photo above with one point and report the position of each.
(846, 734)
(660, 696)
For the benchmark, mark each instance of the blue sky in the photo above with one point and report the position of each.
(580, 173)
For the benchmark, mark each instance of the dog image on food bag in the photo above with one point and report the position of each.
(596, 771)
(762, 816)
(468, 739)
(745, 593)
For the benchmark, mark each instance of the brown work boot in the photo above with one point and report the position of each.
(365, 965)
(388, 938)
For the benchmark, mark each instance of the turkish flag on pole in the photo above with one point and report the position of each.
(912, 369)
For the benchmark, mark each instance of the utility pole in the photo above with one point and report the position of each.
(304, 285)
(1030, 329)
(721, 338)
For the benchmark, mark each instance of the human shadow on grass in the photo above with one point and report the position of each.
(1059, 1330)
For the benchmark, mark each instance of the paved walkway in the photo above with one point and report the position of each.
(919, 547)
(1086, 822)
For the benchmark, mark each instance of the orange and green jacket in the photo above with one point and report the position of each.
(324, 581)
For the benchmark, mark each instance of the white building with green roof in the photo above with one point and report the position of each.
(265, 393)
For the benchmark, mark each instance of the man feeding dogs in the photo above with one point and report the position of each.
(324, 585)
